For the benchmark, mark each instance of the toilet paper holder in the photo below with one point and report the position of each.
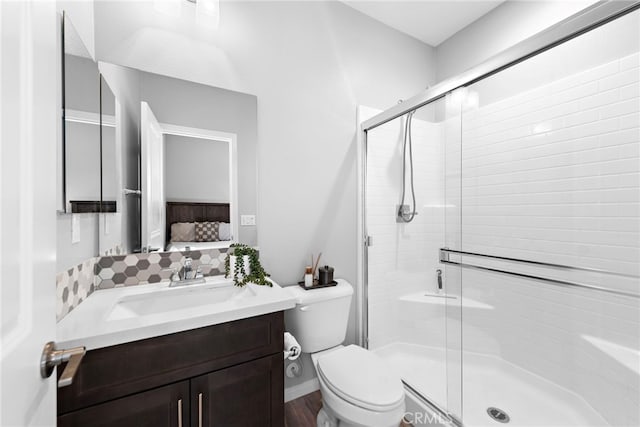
(292, 349)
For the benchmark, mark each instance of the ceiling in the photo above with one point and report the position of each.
(429, 21)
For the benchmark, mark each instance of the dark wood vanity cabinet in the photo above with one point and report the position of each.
(239, 396)
(160, 407)
(223, 375)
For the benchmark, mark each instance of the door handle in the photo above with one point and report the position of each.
(52, 357)
(179, 412)
(199, 409)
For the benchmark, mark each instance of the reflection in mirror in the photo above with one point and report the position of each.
(187, 157)
(108, 175)
(201, 192)
(188, 190)
(81, 104)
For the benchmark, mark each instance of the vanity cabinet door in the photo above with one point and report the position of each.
(161, 407)
(245, 395)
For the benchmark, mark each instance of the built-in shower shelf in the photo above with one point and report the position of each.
(442, 300)
(626, 356)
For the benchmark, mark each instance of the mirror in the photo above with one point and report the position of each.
(89, 130)
(108, 166)
(81, 106)
(188, 180)
(189, 170)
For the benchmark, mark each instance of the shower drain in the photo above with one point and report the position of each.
(498, 414)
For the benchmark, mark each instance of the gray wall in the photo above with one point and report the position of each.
(71, 254)
(82, 91)
(196, 170)
(501, 28)
(83, 160)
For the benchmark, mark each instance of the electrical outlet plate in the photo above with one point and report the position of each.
(247, 220)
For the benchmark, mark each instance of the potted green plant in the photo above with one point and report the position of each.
(243, 265)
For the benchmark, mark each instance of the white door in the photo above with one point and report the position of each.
(152, 179)
(29, 113)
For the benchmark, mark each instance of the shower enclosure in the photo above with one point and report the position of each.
(513, 295)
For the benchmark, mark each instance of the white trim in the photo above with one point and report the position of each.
(302, 389)
(360, 338)
(229, 138)
(197, 132)
(89, 118)
(233, 190)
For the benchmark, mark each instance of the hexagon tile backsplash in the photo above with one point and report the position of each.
(140, 269)
(76, 284)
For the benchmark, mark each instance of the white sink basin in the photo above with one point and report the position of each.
(120, 315)
(177, 299)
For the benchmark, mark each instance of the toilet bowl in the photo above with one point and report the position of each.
(358, 388)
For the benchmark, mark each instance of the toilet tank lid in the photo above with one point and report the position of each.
(303, 296)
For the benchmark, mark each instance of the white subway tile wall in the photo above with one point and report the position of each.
(404, 257)
(553, 174)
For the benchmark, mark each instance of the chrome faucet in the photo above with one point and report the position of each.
(188, 269)
(189, 275)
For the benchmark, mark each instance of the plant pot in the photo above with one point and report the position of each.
(232, 266)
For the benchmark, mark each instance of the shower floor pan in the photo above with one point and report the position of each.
(528, 399)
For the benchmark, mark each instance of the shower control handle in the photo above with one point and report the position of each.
(439, 277)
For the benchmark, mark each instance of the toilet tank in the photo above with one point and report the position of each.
(319, 319)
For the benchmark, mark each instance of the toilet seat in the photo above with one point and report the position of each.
(361, 378)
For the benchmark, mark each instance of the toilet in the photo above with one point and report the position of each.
(358, 388)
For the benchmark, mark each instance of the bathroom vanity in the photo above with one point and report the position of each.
(223, 375)
(222, 367)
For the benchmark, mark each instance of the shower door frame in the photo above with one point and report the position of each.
(588, 19)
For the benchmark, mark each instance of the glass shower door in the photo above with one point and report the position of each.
(407, 301)
(551, 181)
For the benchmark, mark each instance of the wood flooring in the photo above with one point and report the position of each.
(302, 411)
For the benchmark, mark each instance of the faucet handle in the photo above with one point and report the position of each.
(175, 276)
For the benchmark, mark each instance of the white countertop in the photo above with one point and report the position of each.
(101, 321)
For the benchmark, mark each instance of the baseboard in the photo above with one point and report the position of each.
(299, 390)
